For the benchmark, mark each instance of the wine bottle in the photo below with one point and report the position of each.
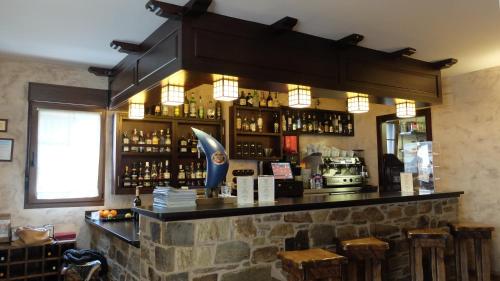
(185, 107)
(211, 110)
(276, 123)
(269, 100)
(218, 110)
(260, 122)
(192, 106)
(141, 142)
(201, 109)
(238, 121)
(125, 142)
(127, 180)
(137, 200)
(243, 100)
(262, 100)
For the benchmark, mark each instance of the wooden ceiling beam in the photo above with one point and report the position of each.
(284, 24)
(403, 52)
(443, 64)
(126, 47)
(351, 40)
(100, 71)
(193, 8)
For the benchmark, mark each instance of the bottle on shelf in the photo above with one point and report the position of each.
(309, 124)
(125, 142)
(166, 173)
(147, 175)
(181, 177)
(260, 122)
(238, 121)
(155, 140)
(192, 106)
(294, 123)
(340, 128)
(211, 110)
(161, 141)
(201, 109)
(141, 142)
(289, 121)
(276, 101)
(149, 142)
(242, 99)
(283, 123)
(269, 100)
(204, 170)
(134, 176)
(262, 100)
(249, 99)
(192, 171)
(183, 145)
(135, 141)
(137, 200)
(218, 110)
(127, 180)
(168, 140)
(164, 110)
(245, 125)
(157, 110)
(177, 111)
(276, 124)
(304, 122)
(253, 125)
(315, 124)
(140, 177)
(194, 144)
(154, 172)
(185, 106)
(160, 179)
(199, 171)
(349, 124)
(331, 127)
(298, 122)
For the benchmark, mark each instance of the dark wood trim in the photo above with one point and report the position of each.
(99, 71)
(443, 64)
(6, 125)
(194, 8)
(284, 24)
(351, 40)
(403, 52)
(126, 47)
(40, 97)
(11, 149)
(383, 118)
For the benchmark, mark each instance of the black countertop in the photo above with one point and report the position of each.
(124, 230)
(310, 202)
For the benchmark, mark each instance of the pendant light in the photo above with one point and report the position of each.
(172, 94)
(136, 110)
(226, 88)
(405, 108)
(357, 103)
(299, 96)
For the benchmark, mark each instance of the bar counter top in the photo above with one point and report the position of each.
(124, 230)
(309, 202)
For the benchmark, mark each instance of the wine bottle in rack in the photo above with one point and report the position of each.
(125, 142)
(127, 180)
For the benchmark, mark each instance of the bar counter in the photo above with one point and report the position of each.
(227, 242)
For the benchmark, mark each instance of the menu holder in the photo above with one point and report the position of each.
(266, 189)
(406, 182)
(245, 190)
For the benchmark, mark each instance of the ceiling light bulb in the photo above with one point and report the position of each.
(172, 95)
(299, 96)
(136, 110)
(357, 103)
(405, 109)
(226, 88)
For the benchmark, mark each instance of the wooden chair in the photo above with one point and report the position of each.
(312, 265)
(433, 239)
(369, 250)
(481, 236)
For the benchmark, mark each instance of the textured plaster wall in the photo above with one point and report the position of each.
(467, 129)
(14, 77)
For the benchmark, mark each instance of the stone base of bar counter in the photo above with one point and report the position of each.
(244, 248)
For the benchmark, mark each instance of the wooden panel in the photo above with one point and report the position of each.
(122, 82)
(162, 54)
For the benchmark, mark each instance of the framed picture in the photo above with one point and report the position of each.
(3, 125)
(6, 149)
(5, 228)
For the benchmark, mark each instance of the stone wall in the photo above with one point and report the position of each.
(244, 248)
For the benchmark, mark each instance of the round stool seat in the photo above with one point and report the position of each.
(427, 233)
(312, 264)
(365, 248)
(471, 230)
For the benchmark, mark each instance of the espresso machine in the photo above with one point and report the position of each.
(343, 171)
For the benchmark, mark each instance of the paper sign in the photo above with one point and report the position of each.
(266, 188)
(245, 190)
(406, 182)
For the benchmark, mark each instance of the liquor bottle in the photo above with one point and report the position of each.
(218, 110)
(276, 123)
(182, 174)
(253, 125)
(315, 124)
(288, 121)
(155, 140)
(340, 127)
(154, 172)
(157, 110)
(204, 171)
(211, 110)
(192, 171)
(164, 110)
(149, 142)
(269, 100)
(194, 144)
(140, 177)
(283, 123)
(294, 123)
(250, 99)
(147, 175)
(183, 143)
(162, 141)
(331, 127)
(245, 126)
(298, 122)
(309, 123)
(199, 171)
(141, 142)
(134, 175)
(135, 141)
(125, 142)
(192, 106)
(201, 109)
(349, 124)
(238, 121)
(168, 139)
(242, 99)
(185, 107)
(276, 101)
(260, 122)
(326, 127)
(177, 111)
(304, 122)
(166, 173)
(161, 179)
(137, 200)
(262, 101)
(127, 180)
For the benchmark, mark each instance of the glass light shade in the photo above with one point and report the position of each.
(136, 110)
(357, 103)
(405, 109)
(172, 94)
(299, 96)
(226, 88)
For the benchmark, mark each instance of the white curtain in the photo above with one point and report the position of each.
(68, 154)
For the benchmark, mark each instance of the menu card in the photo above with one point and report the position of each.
(406, 182)
(245, 190)
(266, 189)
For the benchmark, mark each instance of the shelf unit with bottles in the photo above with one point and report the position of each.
(250, 142)
(179, 129)
(328, 122)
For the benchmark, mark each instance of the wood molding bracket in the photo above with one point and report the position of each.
(126, 47)
(443, 64)
(284, 24)
(99, 71)
(193, 8)
(351, 40)
(403, 52)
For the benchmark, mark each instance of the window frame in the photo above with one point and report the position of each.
(44, 96)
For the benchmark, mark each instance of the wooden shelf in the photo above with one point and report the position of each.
(252, 108)
(272, 158)
(316, 134)
(147, 154)
(171, 119)
(243, 133)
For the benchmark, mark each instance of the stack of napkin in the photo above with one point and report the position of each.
(168, 197)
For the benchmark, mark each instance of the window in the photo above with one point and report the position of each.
(66, 142)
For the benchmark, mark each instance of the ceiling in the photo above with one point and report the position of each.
(80, 31)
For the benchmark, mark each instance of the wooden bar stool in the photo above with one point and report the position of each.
(369, 250)
(481, 236)
(312, 265)
(433, 239)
